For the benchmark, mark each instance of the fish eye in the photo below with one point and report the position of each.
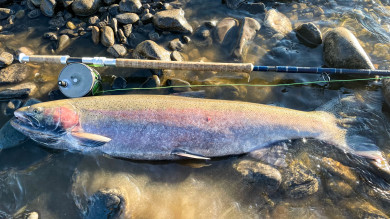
(37, 110)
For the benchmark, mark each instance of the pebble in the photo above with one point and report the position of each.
(153, 35)
(57, 22)
(300, 182)
(5, 13)
(14, 73)
(127, 18)
(34, 14)
(150, 50)
(63, 42)
(119, 83)
(20, 14)
(122, 37)
(107, 36)
(36, 3)
(361, 209)
(10, 137)
(146, 18)
(33, 215)
(133, 6)
(105, 204)
(247, 32)
(114, 25)
(259, 174)
(67, 3)
(309, 34)
(277, 22)
(176, 56)
(6, 59)
(127, 29)
(254, 8)
(18, 91)
(114, 9)
(70, 25)
(178, 82)
(12, 105)
(85, 7)
(186, 39)
(93, 20)
(176, 44)
(24, 50)
(153, 81)
(117, 50)
(342, 50)
(172, 20)
(47, 7)
(95, 35)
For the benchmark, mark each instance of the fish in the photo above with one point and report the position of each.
(165, 127)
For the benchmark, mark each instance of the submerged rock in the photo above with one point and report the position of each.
(172, 20)
(151, 50)
(127, 29)
(362, 209)
(119, 83)
(248, 29)
(5, 13)
(259, 174)
(178, 82)
(337, 169)
(18, 91)
(343, 50)
(277, 22)
(14, 73)
(63, 42)
(299, 182)
(309, 34)
(153, 81)
(12, 106)
(6, 59)
(105, 204)
(226, 31)
(107, 36)
(95, 35)
(47, 7)
(85, 7)
(133, 6)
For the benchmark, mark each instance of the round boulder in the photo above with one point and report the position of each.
(151, 50)
(47, 7)
(277, 22)
(309, 34)
(172, 20)
(127, 18)
(107, 36)
(85, 7)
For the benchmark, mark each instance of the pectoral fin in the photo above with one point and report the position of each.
(89, 139)
(188, 154)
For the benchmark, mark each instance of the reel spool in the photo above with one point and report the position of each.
(79, 80)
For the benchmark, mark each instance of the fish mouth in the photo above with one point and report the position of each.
(22, 119)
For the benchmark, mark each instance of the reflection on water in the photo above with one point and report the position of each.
(317, 180)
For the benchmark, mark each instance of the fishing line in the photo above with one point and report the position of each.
(246, 85)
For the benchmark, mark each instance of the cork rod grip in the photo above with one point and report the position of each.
(45, 59)
(195, 66)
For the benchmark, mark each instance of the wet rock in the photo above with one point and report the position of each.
(253, 8)
(127, 29)
(93, 20)
(85, 7)
(226, 31)
(153, 35)
(105, 204)
(276, 22)
(151, 50)
(107, 36)
(6, 59)
(386, 91)
(309, 34)
(342, 50)
(34, 14)
(114, 9)
(127, 18)
(18, 91)
(67, 3)
(337, 169)
(259, 174)
(176, 44)
(202, 37)
(5, 13)
(12, 106)
(95, 35)
(153, 81)
(178, 82)
(56, 95)
(70, 25)
(33, 215)
(300, 182)
(57, 22)
(114, 25)
(362, 209)
(248, 29)
(14, 73)
(339, 188)
(122, 37)
(20, 14)
(133, 6)
(117, 50)
(146, 18)
(69, 33)
(176, 56)
(63, 42)
(186, 39)
(10, 137)
(24, 50)
(172, 20)
(119, 83)
(47, 7)
(234, 4)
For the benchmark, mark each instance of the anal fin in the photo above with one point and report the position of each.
(89, 139)
(188, 154)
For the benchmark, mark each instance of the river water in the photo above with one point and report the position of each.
(317, 180)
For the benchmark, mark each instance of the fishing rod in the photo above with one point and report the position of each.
(194, 66)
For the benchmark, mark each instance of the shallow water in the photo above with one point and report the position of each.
(58, 184)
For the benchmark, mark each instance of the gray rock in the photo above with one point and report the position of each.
(34, 14)
(234, 4)
(6, 59)
(63, 42)
(18, 91)
(343, 50)
(176, 56)
(146, 18)
(186, 39)
(5, 13)
(57, 22)
(109, 2)
(226, 31)
(121, 36)
(202, 37)
(119, 83)
(309, 34)
(259, 174)
(361, 209)
(24, 50)
(151, 50)
(176, 44)
(133, 6)
(69, 33)
(95, 35)
(248, 29)
(12, 106)
(20, 14)
(47, 7)
(178, 82)
(153, 35)
(85, 7)
(67, 3)
(172, 20)
(113, 9)
(127, 29)
(117, 50)
(300, 182)
(93, 20)
(277, 22)
(114, 25)
(153, 81)
(127, 18)
(14, 73)
(107, 36)
(105, 204)
(36, 3)
(10, 137)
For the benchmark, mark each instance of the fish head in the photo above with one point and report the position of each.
(46, 122)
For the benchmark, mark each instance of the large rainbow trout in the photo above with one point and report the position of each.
(154, 127)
